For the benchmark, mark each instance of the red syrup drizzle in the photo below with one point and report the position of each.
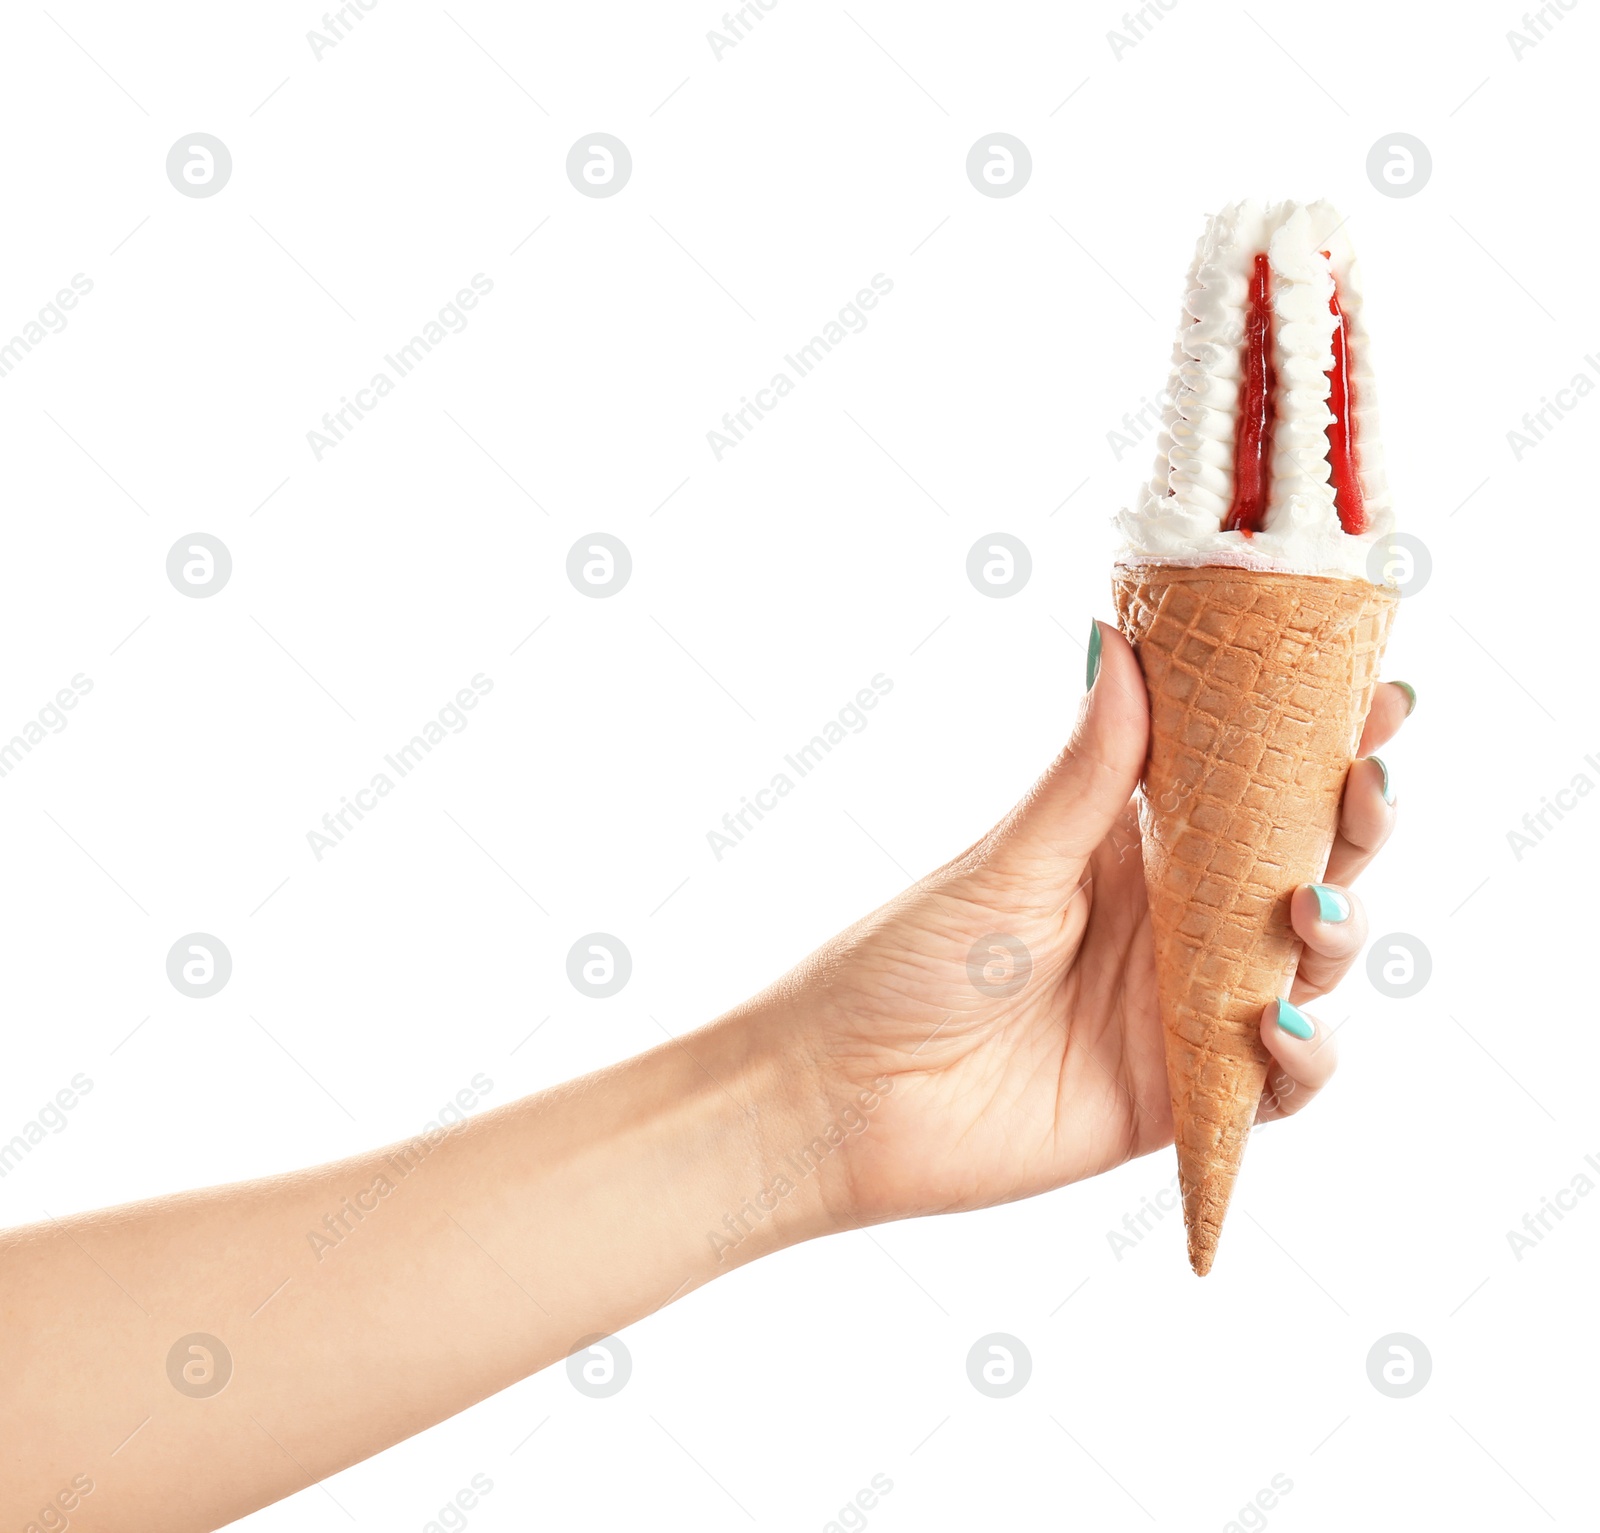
(1347, 497)
(1258, 410)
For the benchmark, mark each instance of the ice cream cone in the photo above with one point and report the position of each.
(1259, 687)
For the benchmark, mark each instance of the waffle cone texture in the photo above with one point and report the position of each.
(1259, 688)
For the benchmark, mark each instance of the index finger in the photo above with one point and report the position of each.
(1392, 705)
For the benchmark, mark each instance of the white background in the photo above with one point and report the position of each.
(767, 188)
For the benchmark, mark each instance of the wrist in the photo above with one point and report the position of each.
(798, 1181)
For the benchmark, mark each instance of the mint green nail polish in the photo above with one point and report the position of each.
(1332, 906)
(1294, 1022)
(1388, 789)
(1411, 696)
(1094, 655)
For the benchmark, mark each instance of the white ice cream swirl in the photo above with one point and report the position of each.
(1178, 517)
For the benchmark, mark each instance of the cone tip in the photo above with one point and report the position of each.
(1203, 1237)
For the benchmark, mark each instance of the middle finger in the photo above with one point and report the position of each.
(1366, 817)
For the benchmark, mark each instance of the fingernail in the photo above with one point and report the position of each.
(1388, 789)
(1411, 696)
(1295, 1022)
(1331, 904)
(1094, 655)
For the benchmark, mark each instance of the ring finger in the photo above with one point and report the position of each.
(1332, 924)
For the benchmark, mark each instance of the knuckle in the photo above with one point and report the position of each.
(1319, 972)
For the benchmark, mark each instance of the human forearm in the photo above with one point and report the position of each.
(359, 1302)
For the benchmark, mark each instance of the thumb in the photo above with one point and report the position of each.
(1072, 808)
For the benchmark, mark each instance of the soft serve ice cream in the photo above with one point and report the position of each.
(1268, 456)
(1254, 592)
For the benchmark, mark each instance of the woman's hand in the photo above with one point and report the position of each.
(446, 1267)
(1003, 1009)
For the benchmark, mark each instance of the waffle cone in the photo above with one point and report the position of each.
(1259, 687)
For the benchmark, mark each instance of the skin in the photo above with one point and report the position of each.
(512, 1241)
